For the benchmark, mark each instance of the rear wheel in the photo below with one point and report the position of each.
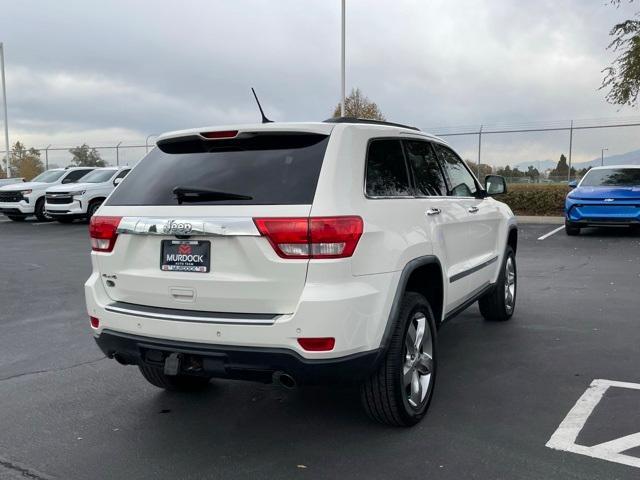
(400, 391)
(179, 383)
(571, 229)
(500, 303)
(40, 212)
(17, 218)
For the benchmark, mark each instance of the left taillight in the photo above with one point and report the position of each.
(103, 233)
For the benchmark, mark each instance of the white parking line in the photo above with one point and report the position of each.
(564, 438)
(547, 235)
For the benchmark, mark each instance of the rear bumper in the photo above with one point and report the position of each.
(244, 363)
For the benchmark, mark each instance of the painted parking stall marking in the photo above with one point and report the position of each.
(564, 438)
(552, 232)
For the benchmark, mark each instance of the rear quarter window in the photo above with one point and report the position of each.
(272, 169)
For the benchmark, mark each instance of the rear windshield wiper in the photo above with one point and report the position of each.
(195, 194)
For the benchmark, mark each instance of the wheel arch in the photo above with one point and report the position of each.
(512, 238)
(423, 275)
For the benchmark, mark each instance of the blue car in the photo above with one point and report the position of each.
(606, 196)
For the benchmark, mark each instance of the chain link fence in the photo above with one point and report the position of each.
(487, 144)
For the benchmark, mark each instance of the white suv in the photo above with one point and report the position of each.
(298, 253)
(21, 200)
(65, 203)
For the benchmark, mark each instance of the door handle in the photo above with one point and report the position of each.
(433, 211)
(473, 210)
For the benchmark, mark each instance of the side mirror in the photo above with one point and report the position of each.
(67, 180)
(495, 185)
(117, 182)
(573, 184)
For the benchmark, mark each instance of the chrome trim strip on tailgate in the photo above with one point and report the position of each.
(199, 316)
(217, 226)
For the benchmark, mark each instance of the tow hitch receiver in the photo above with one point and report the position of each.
(172, 364)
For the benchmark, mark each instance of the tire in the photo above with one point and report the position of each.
(93, 208)
(64, 220)
(500, 303)
(392, 395)
(179, 383)
(40, 212)
(17, 218)
(571, 229)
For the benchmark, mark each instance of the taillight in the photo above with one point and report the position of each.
(95, 322)
(102, 231)
(312, 237)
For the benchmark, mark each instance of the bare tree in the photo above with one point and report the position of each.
(358, 106)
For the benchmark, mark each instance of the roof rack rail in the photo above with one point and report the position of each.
(366, 120)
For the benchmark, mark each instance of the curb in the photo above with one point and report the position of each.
(525, 219)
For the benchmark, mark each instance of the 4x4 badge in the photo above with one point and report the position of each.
(177, 227)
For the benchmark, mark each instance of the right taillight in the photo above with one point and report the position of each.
(312, 237)
(103, 233)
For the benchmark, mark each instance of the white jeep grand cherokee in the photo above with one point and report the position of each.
(298, 253)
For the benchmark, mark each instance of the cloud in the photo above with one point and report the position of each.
(118, 71)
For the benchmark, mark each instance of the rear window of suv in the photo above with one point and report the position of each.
(256, 169)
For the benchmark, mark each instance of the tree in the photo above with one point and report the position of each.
(358, 106)
(622, 78)
(533, 173)
(562, 169)
(484, 169)
(25, 163)
(83, 156)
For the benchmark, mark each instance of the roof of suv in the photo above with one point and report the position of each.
(310, 127)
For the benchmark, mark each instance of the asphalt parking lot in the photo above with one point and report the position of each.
(503, 389)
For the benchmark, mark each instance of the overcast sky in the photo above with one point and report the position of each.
(110, 71)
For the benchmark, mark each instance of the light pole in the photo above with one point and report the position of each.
(146, 141)
(46, 157)
(602, 156)
(6, 115)
(118, 154)
(342, 80)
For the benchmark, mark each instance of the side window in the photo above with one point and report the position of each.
(74, 176)
(386, 170)
(427, 172)
(461, 181)
(122, 174)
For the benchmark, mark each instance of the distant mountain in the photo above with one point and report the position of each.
(628, 158)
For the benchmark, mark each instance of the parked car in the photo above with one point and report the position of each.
(66, 203)
(22, 200)
(299, 253)
(606, 196)
(10, 181)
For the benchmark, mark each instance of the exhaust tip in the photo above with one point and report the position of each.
(284, 380)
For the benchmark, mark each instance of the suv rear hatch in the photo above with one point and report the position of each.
(187, 238)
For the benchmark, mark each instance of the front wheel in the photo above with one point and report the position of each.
(40, 212)
(179, 383)
(571, 229)
(400, 391)
(500, 303)
(93, 208)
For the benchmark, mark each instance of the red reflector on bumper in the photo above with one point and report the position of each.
(317, 344)
(95, 323)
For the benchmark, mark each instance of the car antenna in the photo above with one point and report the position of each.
(264, 119)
